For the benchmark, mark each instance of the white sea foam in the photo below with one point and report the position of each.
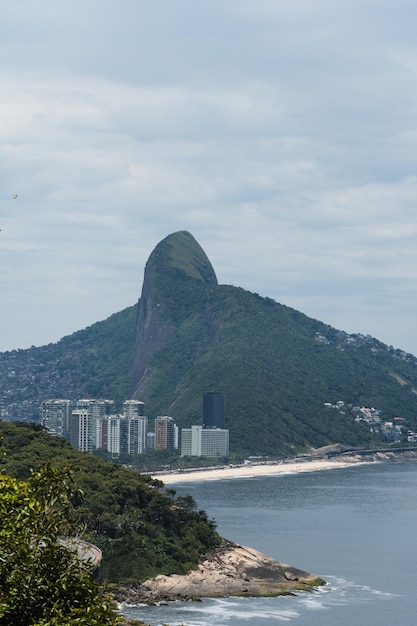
(230, 611)
(259, 611)
(226, 611)
(313, 603)
(340, 591)
(245, 610)
(221, 612)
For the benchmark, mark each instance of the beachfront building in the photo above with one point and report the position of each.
(111, 433)
(209, 442)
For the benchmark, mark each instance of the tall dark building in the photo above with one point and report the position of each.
(213, 410)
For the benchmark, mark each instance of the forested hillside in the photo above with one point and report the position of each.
(141, 527)
(277, 368)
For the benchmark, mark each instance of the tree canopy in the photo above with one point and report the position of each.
(141, 527)
(43, 581)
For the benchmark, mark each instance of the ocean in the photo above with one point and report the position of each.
(355, 527)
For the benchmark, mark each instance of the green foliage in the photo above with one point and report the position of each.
(142, 529)
(104, 353)
(42, 581)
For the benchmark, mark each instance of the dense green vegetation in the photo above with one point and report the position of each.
(141, 527)
(105, 352)
(42, 581)
(276, 374)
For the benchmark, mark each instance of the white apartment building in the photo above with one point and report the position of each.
(122, 434)
(97, 409)
(137, 434)
(199, 441)
(112, 437)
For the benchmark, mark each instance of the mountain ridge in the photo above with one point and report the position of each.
(188, 335)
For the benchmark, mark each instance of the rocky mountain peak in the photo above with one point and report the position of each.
(175, 269)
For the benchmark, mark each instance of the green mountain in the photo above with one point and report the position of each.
(275, 366)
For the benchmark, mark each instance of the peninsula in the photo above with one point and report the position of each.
(228, 570)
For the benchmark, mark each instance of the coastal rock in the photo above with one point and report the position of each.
(229, 570)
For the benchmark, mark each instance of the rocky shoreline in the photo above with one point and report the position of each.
(229, 570)
(235, 570)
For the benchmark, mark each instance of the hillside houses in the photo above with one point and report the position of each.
(394, 430)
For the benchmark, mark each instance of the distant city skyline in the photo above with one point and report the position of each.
(93, 424)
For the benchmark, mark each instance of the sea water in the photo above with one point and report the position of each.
(356, 527)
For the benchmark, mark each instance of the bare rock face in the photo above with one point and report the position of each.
(230, 570)
(176, 268)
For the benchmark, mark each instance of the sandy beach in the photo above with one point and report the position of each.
(251, 470)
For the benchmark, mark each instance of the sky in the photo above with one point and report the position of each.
(282, 134)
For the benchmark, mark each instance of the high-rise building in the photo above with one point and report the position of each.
(55, 417)
(111, 424)
(166, 433)
(186, 442)
(150, 441)
(138, 431)
(213, 410)
(80, 429)
(209, 442)
(97, 409)
(137, 428)
(132, 408)
(124, 434)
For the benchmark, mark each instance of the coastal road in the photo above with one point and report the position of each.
(86, 552)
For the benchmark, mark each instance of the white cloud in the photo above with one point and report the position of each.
(282, 136)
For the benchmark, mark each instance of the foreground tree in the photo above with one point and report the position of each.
(43, 582)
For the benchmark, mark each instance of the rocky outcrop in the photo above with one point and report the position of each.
(175, 267)
(230, 570)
